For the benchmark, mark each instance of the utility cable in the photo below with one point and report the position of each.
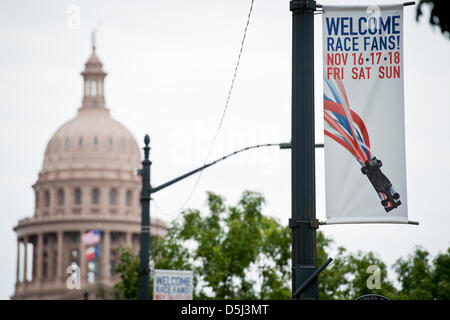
(223, 113)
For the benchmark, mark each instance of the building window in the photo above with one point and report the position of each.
(61, 197)
(55, 145)
(112, 196)
(80, 141)
(128, 198)
(95, 196)
(95, 141)
(87, 88)
(77, 198)
(47, 198)
(94, 88)
(66, 143)
(100, 88)
(110, 142)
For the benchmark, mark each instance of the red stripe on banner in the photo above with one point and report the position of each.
(345, 145)
(361, 156)
(337, 108)
(348, 114)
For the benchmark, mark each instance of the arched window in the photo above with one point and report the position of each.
(87, 88)
(95, 196)
(112, 196)
(77, 196)
(95, 141)
(60, 197)
(128, 198)
(47, 198)
(94, 88)
(80, 141)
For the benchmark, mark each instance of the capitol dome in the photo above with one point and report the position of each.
(92, 139)
(88, 183)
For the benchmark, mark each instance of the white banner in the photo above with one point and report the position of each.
(172, 285)
(365, 170)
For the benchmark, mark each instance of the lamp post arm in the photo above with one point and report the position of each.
(169, 183)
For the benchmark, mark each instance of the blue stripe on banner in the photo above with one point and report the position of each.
(333, 90)
(343, 121)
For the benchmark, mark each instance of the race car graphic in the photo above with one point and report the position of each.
(346, 127)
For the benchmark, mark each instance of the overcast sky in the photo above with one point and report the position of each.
(170, 64)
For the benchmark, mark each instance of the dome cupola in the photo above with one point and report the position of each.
(93, 139)
(94, 77)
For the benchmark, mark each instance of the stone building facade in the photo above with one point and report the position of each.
(87, 182)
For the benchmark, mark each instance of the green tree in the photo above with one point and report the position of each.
(347, 277)
(222, 248)
(332, 281)
(128, 269)
(439, 15)
(230, 243)
(441, 276)
(414, 275)
(236, 252)
(421, 279)
(362, 267)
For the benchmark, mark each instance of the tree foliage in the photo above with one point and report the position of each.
(439, 15)
(128, 269)
(348, 275)
(223, 248)
(422, 279)
(236, 252)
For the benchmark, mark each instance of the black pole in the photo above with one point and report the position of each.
(144, 271)
(312, 277)
(303, 222)
(190, 173)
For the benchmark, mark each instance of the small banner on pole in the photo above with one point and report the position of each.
(173, 285)
(364, 127)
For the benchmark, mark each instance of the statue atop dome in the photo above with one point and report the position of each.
(93, 76)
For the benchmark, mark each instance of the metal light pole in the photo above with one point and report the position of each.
(144, 281)
(147, 191)
(303, 221)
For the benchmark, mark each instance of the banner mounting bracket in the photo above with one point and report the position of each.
(295, 224)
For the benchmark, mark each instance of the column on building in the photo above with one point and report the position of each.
(83, 266)
(128, 239)
(25, 259)
(18, 262)
(39, 257)
(105, 255)
(50, 253)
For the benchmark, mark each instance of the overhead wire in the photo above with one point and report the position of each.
(232, 154)
(222, 117)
